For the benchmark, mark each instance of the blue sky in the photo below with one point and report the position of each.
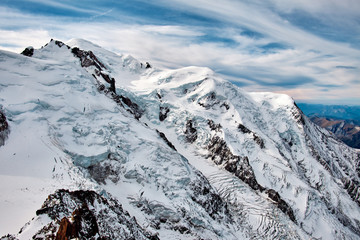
(305, 48)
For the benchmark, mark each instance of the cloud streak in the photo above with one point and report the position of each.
(248, 42)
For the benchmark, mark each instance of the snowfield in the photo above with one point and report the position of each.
(166, 154)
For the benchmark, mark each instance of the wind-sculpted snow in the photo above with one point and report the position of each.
(186, 153)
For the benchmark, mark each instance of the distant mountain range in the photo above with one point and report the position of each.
(331, 111)
(343, 121)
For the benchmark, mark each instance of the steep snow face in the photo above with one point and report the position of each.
(68, 132)
(305, 166)
(186, 153)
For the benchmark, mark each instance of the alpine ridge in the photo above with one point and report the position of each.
(96, 145)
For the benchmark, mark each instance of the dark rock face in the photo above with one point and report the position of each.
(4, 128)
(87, 58)
(209, 101)
(8, 237)
(29, 51)
(259, 141)
(243, 129)
(162, 135)
(60, 44)
(190, 132)
(122, 101)
(134, 108)
(298, 115)
(163, 113)
(256, 138)
(87, 215)
(220, 153)
(209, 200)
(282, 205)
(353, 189)
(213, 126)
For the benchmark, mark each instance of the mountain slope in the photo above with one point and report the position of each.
(186, 153)
(347, 131)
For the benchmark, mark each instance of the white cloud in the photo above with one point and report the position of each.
(16, 41)
(309, 57)
(328, 7)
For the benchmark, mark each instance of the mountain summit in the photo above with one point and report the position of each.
(97, 145)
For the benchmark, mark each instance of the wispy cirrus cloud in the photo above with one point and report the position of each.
(259, 46)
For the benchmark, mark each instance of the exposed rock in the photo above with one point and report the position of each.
(259, 141)
(162, 135)
(122, 101)
(112, 85)
(60, 44)
(220, 153)
(163, 113)
(298, 115)
(243, 129)
(209, 200)
(8, 237)
(190, 132)
(87, 215)
(4, 128)
(29, 51)
(225, 105)
(134, 108)
(353, 189)
(87, 58)
(256, 138)
(209, 101)
(282, 205)
(213, 126)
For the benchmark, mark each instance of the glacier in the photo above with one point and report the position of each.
(106, 147)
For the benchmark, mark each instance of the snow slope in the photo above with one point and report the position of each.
(186, 153)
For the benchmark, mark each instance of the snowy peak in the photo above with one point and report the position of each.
(167, 154)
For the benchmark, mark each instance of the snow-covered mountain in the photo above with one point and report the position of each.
(97, 145)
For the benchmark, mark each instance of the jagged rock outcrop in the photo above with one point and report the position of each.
(353, 189)
(190, 132)
(4, 128)
(29, 51)
(209, 101)
(87, 58)
(221, 154)
(162, 135)
(213, 126)
(163, 113)
(209, 200)
(256, 138)
(88, 215)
